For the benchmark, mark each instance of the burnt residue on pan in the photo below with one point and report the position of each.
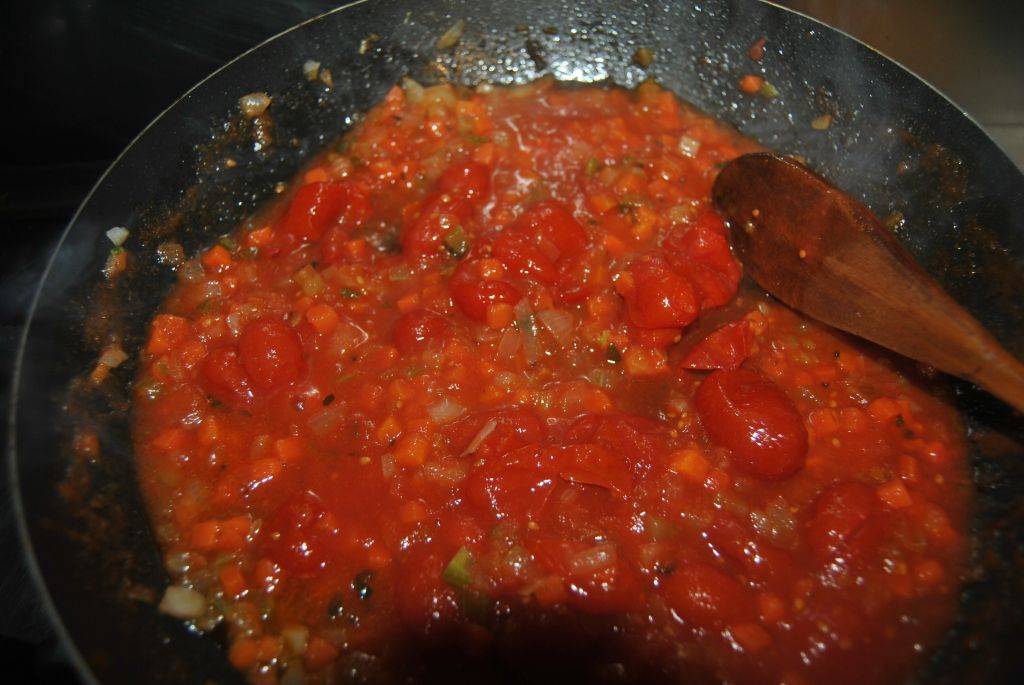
(892, 142)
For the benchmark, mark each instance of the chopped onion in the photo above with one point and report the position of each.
(510, 343)
(311, 69)
(117, 235)
(325, 421)
(238, 317)
(309, 280)
(479, 438)
(297, 638)
(559, 322)
(594, 559)
(445, 411)
(450, 37)
(254, 104)
(450, 473)
(112, 356)
(387, 465)
(348, 337)
(688, 147)
(192, 271)
(413, 90)
(182, 602)
(171, 254)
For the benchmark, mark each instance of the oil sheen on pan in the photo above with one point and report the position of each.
(483, 386)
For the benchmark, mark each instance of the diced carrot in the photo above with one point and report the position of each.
(770, 607)
(499, 315)
(750, 636)
(909, 468)
(613, 246)
(205, 535)
(171, 439)
(411, 450)
(751, 83)
(244, 652)
(260, 236)
(407, 303)
(412, 511)
(288, 449)
(388, 430)
(216, 258)
(209, 431)
(491, 269)
(357, 249)
(262, 470)
(644, 361)
(690, 464)
(233, 533)
(192, 352)
(602, 202)
(315, 175)
(884, 409)
(484, 154)
(323, 318)
(319, 653)
(166, 332)
(232, 580)
(894, 494)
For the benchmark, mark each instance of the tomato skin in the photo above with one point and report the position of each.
(302, 536)
(660, 298)
(415, 330)
(473, 294)
(582, 276)
(553, 222)
(225, 377)
(724, 348)
(524, 257)
(702, 595)
(458, 191)
(749, 415)
(756, 558)
(271, 353)
(842, 522)
(701, 253)
(467, 180)
(639, 441)
(513, 428)
(317, 205)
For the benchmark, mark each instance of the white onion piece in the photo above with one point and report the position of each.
(192, 271)
(112, 356)
(479, 438)
(311, 69)
(297, 638)
(254, 104)
(387, 465)
(560, 323)
(594, 559)
(508, 346)
(688, 147)
(445, 411)
(182, 602)
(117, 235)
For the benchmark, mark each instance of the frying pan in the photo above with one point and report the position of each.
(895, 143)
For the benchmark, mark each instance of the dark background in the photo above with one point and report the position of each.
(79, 80)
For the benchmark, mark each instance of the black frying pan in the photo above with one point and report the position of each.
(895, 143)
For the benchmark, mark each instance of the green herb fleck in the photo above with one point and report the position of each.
(768, 91)
(350, 293)
(612, 354)
(457, 572)
(593, 166)
(228, 243)
(457, 242)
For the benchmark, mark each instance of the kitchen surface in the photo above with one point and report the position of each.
(83, 78)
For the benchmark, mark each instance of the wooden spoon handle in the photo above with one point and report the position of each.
(825, 254)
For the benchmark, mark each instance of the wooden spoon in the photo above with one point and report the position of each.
(826, 255)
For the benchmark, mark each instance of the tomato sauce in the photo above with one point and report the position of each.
(484, 384)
